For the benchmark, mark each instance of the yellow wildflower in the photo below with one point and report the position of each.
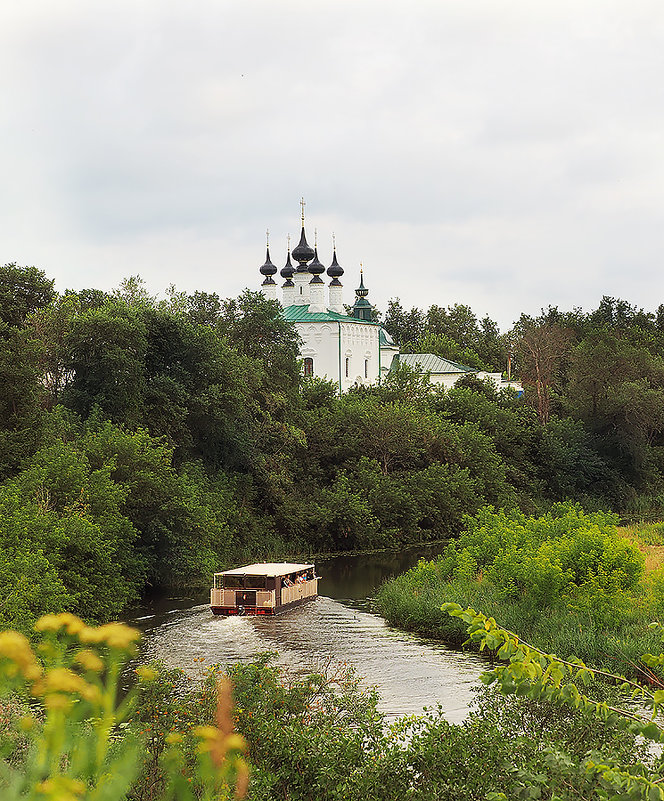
(89, 660)
(27, 723)
(235, 742)
(16, 648)
(146, 673)
(63, 680)
(116, 635)
(61, 788)
(207, 732)
(65, 620)
(57, 701)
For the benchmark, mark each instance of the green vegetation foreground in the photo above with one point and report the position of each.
(65, 737)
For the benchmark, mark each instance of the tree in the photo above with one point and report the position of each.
(254, 327)
(405, 327)
(51, 327)
(21, 417)
(617, 389)
(541, 351)
(72, 514)
(23, 290)
(134, 292)
(106, 352)
(204, 308)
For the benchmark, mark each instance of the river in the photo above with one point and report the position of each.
(410, 672)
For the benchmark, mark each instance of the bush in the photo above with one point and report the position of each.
(565, 574)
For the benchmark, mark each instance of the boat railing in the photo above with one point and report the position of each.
(299, 591)
(227, 598)
(265, 598)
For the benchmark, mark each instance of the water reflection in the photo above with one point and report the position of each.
(410, 672)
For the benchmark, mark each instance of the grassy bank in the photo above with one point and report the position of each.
(570, 583)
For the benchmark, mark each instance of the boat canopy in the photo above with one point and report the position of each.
(266, 569)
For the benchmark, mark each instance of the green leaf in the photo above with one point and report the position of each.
(655, 793)
(652, 732)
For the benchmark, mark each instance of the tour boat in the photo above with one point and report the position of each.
(263, 589)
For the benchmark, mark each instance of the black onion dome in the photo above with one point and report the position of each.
(303, 253)
(268, 269)
(316, 268)
(287, 270)
(335, 270)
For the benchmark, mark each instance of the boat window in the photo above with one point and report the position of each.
(233, 582)
(254, 582)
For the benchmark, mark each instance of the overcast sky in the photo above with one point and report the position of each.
(506, 154)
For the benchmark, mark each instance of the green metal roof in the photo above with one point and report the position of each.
(385, 339)
(430, 363)
(301, 314)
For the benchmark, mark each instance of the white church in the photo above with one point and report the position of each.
(348, 349)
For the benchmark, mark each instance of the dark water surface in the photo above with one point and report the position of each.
(410, 672)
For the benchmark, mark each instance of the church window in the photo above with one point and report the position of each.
(347, 366)
(366, 368)
(308, 366)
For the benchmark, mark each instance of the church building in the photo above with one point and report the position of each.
(349, 349)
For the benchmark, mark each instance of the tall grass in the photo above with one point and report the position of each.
(412, 601)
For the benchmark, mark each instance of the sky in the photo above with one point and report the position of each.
(504, 154)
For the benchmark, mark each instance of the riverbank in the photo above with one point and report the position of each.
(569, 583)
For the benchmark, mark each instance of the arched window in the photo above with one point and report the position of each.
(366, 368)
(308, 366)
(347, 366)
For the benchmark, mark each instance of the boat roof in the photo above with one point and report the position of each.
(266, 569)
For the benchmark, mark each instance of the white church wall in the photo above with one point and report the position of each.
(359, 345)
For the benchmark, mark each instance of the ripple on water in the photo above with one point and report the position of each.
(409, 672)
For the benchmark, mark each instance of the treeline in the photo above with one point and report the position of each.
(597, 377)
(147, 443)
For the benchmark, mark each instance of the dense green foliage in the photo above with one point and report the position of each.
(66, 736)
(147, 443)
(528, 672)
(566, 580)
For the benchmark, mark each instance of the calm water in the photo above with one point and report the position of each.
(409, 671)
